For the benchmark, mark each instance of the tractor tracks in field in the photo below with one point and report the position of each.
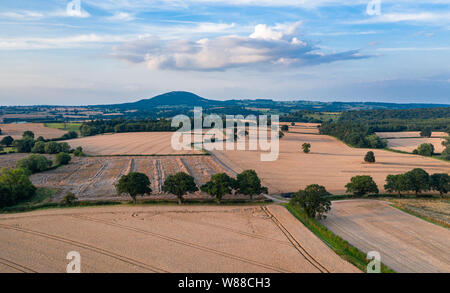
(294, 242)
(184, 243)
(16, 266)
(86, 246)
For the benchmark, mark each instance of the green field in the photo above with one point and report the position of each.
(69, 126)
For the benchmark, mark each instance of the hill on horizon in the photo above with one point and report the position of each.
(183, 99)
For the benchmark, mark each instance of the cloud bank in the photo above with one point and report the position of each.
(278, 45)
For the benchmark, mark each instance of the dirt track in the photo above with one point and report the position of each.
(405, 242)
(164, 239)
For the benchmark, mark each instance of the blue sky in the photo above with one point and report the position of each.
(118, 51)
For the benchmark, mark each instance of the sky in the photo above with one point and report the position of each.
(85, 52)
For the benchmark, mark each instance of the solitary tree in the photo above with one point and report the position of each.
(219, 185)
(248, 183)
(426, 132)
(292, 123)
(63, 158)
(28, 134)
(440, 182)
(134, 184)
(361, 185)
(369, 157)
(313, 201)
(426, 149)
(306, 147)
(7, 141)
(396, 183)
(418, 180)
(69, 199)
(179, 185)
(284, 128)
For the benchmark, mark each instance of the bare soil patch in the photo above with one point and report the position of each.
(194, 239)
(406, 243)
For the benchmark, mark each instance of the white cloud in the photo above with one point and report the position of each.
(276, 45)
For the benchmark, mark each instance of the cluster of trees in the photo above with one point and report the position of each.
(353, 133)
(36, 163)
(305, 116)
(41, 146)
(418, 180)
(124, 125)
(446, 152)
(15, 187)
(180, 184)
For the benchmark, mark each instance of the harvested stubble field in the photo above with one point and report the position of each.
(39, 129)
(138, 143)
(410, 144)
(437, 210)
(177, 239)
(415, 134)
(95, 177)
(301, 127)
(406, 243)
(331, 163)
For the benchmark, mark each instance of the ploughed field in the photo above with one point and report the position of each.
(330, 163)
(408, 141)
(95, 177)
(176, 239)
(134, 143)
(39, 129)
(406, 243)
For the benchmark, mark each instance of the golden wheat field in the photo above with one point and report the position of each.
(139, 143)
(330, 163)
(162, 239)
(16, 130)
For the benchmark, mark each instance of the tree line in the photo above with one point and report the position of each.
(125, 125)
(353, 133)
(180, 184)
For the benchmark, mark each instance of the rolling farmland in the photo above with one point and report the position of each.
(331, 163)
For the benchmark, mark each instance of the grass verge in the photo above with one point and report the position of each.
(341, 247)
(425, 218)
